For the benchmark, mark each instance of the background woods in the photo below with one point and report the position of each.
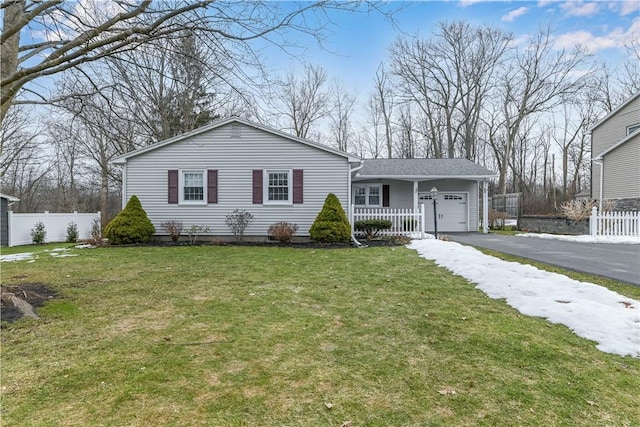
(96, 82)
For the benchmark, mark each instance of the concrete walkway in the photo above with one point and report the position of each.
(615, 261)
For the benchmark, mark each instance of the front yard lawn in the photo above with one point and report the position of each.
(266, 336)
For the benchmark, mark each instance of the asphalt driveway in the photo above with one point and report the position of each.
(615, 261)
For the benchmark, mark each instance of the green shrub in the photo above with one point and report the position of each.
(372, 227)
(72, 232)
(331, 225)
(38, 233)
(131, 225)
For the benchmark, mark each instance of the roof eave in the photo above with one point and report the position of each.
(425, 177)
(617, 145)
(122, 159)
(615, 111)
(9, 198)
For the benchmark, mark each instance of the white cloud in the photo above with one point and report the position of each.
(594, 43)
(580, 8)
(543, 3)
(628, 7)
(509, 17)
(465, 3)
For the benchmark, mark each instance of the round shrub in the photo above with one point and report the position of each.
(131, 225)
(331, 224)
(372, 227)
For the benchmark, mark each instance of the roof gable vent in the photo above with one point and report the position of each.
(235, 130)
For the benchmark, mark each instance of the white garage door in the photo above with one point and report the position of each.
(452, 211)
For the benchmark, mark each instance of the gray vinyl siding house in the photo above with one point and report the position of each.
(615, 149)
(200, 177)
(407, 183)
(5, 201)
(241, 154)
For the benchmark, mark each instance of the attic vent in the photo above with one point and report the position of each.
(235, 130)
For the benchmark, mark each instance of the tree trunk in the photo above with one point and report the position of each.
(13, 14)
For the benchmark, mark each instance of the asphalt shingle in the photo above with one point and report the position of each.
(422, 168)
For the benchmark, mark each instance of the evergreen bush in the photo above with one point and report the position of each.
(331, 225)
(38, 233)
(372, 227)
(131, 225)
(72, 232)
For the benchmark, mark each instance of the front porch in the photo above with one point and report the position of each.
(404, 222)
(405, 202)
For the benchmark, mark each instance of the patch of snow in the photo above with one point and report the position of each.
(85, 246)
(17, 257)
(57, 255)
(590, 311)
(586, 238)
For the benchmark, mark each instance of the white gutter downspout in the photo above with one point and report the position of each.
(600, 162)
(349, 207)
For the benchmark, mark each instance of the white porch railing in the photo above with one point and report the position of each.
(614, 223)
(405, 222)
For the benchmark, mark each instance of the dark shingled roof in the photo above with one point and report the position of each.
(416, 168)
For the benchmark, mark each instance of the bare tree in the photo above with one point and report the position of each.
(406, 144)
(448, 77)
(340, 111)
(382, 103)
(18, 138)
(536, 80)
(74, 33)
(304, 101)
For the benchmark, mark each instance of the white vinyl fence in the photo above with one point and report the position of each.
(55, 224)
(614, 223)
(406, 222)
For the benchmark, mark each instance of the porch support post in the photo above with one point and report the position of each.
(415, 195)
(485, 206)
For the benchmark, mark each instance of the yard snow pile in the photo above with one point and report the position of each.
(586, 238)
(30, 256)
(26, 256)
(589, 310)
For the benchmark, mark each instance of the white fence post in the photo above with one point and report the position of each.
(614, 223)
(9, 233)
(409, 222)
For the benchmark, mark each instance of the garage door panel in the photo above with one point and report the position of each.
(452, 211)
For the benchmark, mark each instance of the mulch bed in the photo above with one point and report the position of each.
(382, 242)
(35, 294)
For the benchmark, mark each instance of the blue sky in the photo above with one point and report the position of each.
(357, 43)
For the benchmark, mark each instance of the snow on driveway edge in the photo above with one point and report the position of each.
(590, 311)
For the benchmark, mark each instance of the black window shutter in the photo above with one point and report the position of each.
(257, 186)
(298, 186)
(212, 186)
(385, 195)
(173, 186)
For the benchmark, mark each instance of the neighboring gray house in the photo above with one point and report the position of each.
(201, 176)
(615, 149)
(5, 201)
